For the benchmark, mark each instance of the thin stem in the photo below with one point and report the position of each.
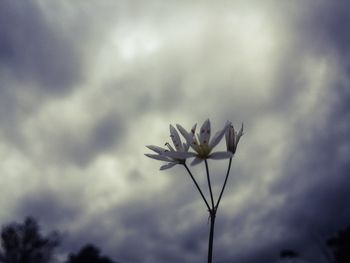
(209, 185)
(211, 235)
(323, 249)
(199, 189)
(223, 187)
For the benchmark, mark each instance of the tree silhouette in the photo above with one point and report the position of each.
(340, 246)
(338, 250)
(288, 253)
(23, 243)
(88, 254)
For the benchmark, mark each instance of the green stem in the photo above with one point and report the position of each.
(223, 187)
(212, 213)
(198, 188)
(211, 235)
(209, 185)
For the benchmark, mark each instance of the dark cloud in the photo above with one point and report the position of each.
(150, 228)
(323, 26)
(38, 60)
(315, 181)
(50, 208)
(316, 172)
(34, 51)
(82, 147)
(171, 225)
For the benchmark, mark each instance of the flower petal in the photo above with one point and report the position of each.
(204, 135)
(196, 161)
(220, 155)
(170, 147)
(191, 140)
(175, 138)
(239, 135)
(158, 157)
(227, 134)
(184, 133)
(217, 137)
(230, 138)
(167, 166)
(179, 155)
(193, 130)
(156, 149)
(185, 146)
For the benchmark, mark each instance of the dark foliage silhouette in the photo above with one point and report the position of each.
(337, 250)
(88, 254)
(23, 243)
(288, 253)
(340, 246)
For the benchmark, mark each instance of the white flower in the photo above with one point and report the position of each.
(202, 143)
(232, 137)
(171, 155)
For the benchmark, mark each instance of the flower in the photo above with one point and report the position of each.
(162, 157)
(232, 137)
(202, 143)
(171, 155)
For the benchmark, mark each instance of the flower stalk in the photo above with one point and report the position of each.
(197, 186)
(209, 185)
(223, 187)
(211, 235)
(203, 150)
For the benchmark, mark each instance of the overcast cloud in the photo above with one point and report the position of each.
(85, 85)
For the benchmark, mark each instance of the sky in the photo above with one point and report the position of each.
(85, 85)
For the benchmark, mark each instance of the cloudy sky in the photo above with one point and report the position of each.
(85, 85)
